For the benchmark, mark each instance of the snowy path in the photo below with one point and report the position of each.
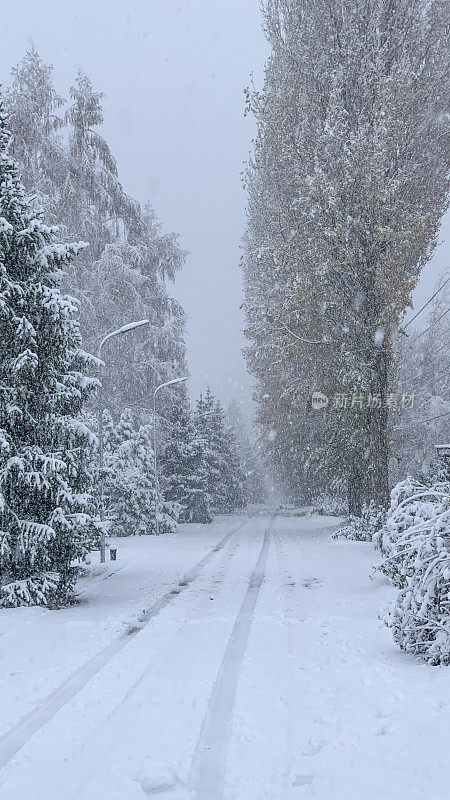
(209, 763)
(263, 673)
(47, 709)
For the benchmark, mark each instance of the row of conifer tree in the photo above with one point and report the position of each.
(59, 183)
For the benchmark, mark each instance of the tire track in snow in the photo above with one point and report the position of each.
(120, 714)
(24, 730)
(209, 762)
(284, 568)
(290, 686)
(90, 584)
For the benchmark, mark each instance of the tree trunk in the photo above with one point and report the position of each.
(355, 491)
(378, 462)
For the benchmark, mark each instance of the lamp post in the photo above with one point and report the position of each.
(161, 386)
(124, 329)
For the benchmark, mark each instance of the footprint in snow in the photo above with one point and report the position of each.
(303, 780)
(310, 583)
(312, 748)
(159, 781)
(386, 727)
(383, 715)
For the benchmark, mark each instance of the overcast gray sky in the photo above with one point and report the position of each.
(173, 73)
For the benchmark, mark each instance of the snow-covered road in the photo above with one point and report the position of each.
(239, 661)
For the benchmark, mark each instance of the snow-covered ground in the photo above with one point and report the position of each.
(238, 661)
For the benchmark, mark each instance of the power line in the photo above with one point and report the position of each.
(421, 421)
(424, 376)
(433, 323)
(426, 304)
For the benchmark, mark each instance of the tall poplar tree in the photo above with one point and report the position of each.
(347, 187)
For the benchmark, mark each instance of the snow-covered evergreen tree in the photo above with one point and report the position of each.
(129, 481)
(250, 454)
(45, 506)
(224, 471)
(235, 477)
(185, 477)
(211, 449)
(92, 198)
(121, 276)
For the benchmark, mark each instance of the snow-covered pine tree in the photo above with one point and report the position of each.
(235, 478)
(45, 509)
(129, 481)
(225, 477)
(211, 449)
(251, 455)
(184, 474)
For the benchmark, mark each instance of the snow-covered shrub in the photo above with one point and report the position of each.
(34, 591)
(413, 508)
(329, 506)
(415, 545)
(365, 527)
(420, 615)
(439, 471)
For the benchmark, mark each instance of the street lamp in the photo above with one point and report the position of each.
(124, 329)
(161, 386)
